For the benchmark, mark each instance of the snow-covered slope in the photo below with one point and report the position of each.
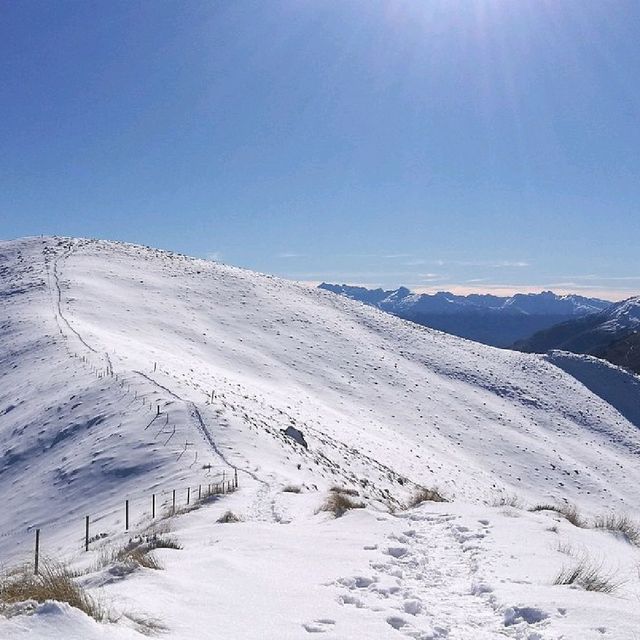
(97, 337)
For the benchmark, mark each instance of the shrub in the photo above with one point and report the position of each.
(588, 575)
(54, 581)
(619, 524)
(339, 504)
(426, 495)
(228, 517)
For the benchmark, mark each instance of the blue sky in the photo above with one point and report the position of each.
(489, 145)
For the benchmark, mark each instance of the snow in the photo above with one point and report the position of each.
(95, 336)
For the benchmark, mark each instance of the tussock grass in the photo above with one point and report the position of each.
(291, 488)
(426, 495)
(543, 507)
(138, 552)
(566, 548)
(568, 511)
(589, 575)
(619, 524)
(508, 501)
(228, 517)
(55, 581)
(344, 490)
(339, 504)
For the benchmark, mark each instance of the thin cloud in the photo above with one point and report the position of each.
(214, 255)
(500, 264)
(289, 254)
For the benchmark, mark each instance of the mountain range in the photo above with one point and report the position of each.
(612, 334)
(494, 320)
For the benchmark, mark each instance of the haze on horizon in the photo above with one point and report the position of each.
(469, 146)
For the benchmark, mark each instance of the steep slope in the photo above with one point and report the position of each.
(128, 371)
(611, 334)
(493, 320)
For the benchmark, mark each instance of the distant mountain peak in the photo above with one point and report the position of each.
(495, 320)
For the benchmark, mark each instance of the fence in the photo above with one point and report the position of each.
(192, 495)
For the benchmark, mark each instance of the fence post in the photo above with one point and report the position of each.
(37, 555)
(199, 491)
(153, 505)
(235, 478)
(86, 533)
(158, 412)
(155, 365)
(173, 508)
(126, 515)
(224, 474)
(188, 495)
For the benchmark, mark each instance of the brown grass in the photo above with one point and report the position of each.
(228, 517)
(344, 490)
(619, 524)
(426, 495)
(589, 575)
(138, 552)
(55, 581)
(339, 504)
(568, 511)
(291, 488)
(508, 501)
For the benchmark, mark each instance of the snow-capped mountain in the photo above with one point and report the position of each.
(612, 334)
(494, 320)
(129, 372)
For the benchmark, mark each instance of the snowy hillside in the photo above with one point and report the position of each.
(128, 371)
(495, 320)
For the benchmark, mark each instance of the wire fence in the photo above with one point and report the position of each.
(137, 513)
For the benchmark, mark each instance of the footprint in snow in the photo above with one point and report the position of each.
(319, 626)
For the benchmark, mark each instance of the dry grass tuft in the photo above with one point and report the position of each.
(568, 511)
(619, 524)
(291, 488)
(508, 501)
(344, 490)
(229, 517)
(138, 552)
(589, 575)
(426, 495)
(55, 581)
(340, 503)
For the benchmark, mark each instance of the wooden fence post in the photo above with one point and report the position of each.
(153, 505)
(126, 515)
(199, 492)
(158, 412)
(37, 554)
(188, 495)
(86, 533)
(235, 478)
(173, 508)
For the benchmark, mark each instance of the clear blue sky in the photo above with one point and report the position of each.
(458, 144)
